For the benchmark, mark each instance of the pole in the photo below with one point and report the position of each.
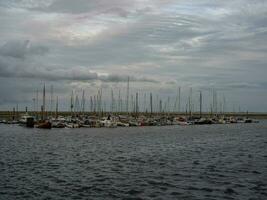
(127, 95)
(151, 104)
(57, 108)
(43, 112)
(200, 104)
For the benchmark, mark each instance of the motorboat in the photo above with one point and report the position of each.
(122, 124)
(26, 120)
(108, 122)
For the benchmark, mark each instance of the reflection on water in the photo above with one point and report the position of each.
(198, 162)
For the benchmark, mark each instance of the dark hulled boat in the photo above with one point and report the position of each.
(44, 125)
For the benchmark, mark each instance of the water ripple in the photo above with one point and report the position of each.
(205, 162)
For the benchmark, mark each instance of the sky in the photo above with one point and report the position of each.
(206, 45)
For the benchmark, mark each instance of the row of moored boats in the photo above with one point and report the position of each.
(112, 121)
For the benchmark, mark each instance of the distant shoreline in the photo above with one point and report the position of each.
(255, 115)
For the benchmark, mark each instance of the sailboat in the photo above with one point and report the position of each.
(44, 124)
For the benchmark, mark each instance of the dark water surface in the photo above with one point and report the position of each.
(172, 162)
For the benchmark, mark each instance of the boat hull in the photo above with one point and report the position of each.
(44, 125)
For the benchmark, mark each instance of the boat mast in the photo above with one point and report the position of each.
(43, 106)
(91, 104)
(77, 106)
(71, 103)
(13, 114)
(200, 104)
(160, 107)
(145, 110)
(37, 104)
(57, 108)
(127, 95)
(132, 103)
(51, 100)
(17, 112)
(99, 94)
(156, 104)
(151, 104)
(94, 104)
(214, 101)
(34, 105)
(101, 109)
(168, 106)
(98, 103)
(119, 102)
(176, 103)
(190, 102)
(179, 99)
(83, 102)
(136, 103)
(112, 101)
(224, 105)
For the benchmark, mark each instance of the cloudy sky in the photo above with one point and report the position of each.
(160, 44)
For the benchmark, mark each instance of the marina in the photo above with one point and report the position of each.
(124, 112)
(108, 120)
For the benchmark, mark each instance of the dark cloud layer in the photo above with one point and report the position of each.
(19, 49)
(14, 63)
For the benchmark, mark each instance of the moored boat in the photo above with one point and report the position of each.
(44, 125)
(27, 120)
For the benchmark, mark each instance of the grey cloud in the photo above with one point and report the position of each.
(124, 78)
(171, 82)
(85, 6)
(19, 68)
(14, 49)
(204, 44)
(26, 4)
(119, 11)
(18, 49)
(120, 8)
(223, 82)
(13, 69)
(16, 61)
